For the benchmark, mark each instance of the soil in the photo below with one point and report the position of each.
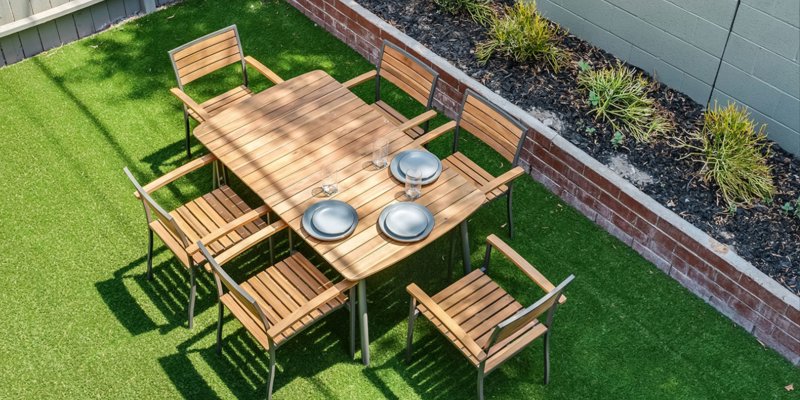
(763, 234)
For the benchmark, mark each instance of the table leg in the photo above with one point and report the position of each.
(465, 247)
(363, 320)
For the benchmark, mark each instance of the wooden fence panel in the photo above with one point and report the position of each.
(66, 29)
(48, 33)
(100, 17)
(5, 12)
(12, 49)
(38, 6)
(31, 44)
(132, 7)
(116, 10)
(83, 22)
(20, 8)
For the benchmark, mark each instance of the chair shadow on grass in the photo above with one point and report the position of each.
(243, 364)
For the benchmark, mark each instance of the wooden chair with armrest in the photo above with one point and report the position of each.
(220, 218)
(499, 131)
(407, 73)
(203, 56)
(483, 321)
(280, 301)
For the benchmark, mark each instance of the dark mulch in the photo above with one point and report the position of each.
(762, 234)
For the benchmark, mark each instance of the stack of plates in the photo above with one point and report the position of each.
(406, 222)
(429, 166)
(330, 220)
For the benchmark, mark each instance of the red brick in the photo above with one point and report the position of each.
(786, 340)
(601, 182)
(660, 243)
(765, 295)
(793, 314)
(541, 140)
(638, 208)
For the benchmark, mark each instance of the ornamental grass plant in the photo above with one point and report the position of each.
(523, 35)
(733, 153)
(481, 11)
(620, 97)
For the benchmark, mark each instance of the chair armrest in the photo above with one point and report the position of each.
(524, 265)
(249, 242)
(229, 227)
(315, 303)
(360, 79)
(419, 119)
(182, 96)
(263, 70)
(176, 173)
(430, 136)
(503, 179)
(445, 319)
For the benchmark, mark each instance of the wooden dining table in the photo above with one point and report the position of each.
(284, 141)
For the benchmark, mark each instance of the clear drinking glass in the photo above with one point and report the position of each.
(413, 183)
(330, 184)
(380, 150)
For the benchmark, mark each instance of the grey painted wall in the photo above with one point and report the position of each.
(683, 44)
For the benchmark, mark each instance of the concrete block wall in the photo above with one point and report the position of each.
(760, 67)
(683, 44)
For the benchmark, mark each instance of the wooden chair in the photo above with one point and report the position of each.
(220, 218)
(483, 321)
(498, 130)
(407, 73)
(203, 56)
(280, 301)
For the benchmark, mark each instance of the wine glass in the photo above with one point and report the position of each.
(413, 183)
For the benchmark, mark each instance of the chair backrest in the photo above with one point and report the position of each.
(491, 125)
(151, 206)
(547, 304)
(207, 54)
(222, 278)
(406, 72)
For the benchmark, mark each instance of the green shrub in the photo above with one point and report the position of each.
(733, 154)
(523, 35)
(619, 96)
(480, 11)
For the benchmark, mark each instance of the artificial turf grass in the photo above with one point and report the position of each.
(81, 320)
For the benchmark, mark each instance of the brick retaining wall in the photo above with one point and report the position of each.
(701, 264)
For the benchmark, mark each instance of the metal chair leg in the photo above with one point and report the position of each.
(465, 247)
(219, 329)
(452, 256)
(547, 358)
(480, 383)
(352, 307)
(412, 316)
(150, 254)
(271, 372)
(510, 214)
(188, 134)
(192, 294)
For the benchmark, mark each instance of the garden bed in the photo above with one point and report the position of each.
(763, 234)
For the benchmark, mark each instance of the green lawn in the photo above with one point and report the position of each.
(80, 320)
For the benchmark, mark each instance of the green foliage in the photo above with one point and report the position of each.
(789, 208)
(617, 139)
(584, 66)
(590, 130)
(619, 96)
(480, 11)
(733, 154)
(522, 35)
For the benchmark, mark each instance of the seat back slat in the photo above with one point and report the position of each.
(492, 126)
(408, 73)
(525, 316)
(207, 54)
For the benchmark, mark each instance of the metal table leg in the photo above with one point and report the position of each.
(465, 247)
(362, 312)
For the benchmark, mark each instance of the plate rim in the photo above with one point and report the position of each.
(394, 167)
(420, 237)
(308, 226)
